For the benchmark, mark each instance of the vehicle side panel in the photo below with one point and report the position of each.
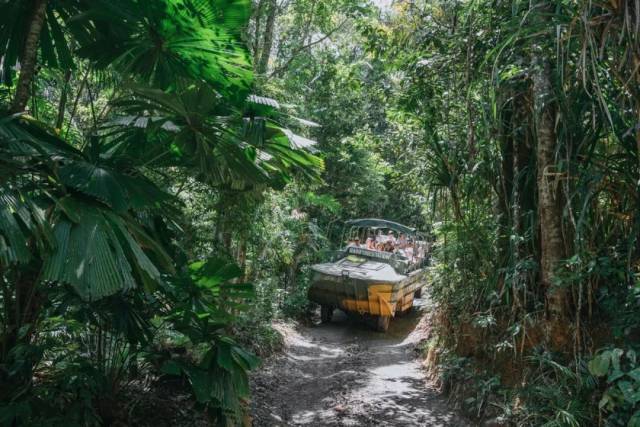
(364, 296)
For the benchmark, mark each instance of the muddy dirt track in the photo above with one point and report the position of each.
(344, 374)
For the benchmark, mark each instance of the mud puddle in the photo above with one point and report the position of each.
(344, 374)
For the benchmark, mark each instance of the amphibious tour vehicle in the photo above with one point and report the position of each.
(377, 275)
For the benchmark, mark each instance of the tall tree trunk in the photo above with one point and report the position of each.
(523, 186)
(241, 255)
(62, 105)
(257, 27)
(267, 40)
(522, 198)
(224, 220)
(457, 207)
(29, 56)
(505, 202)
(549, 190)
(505, 185)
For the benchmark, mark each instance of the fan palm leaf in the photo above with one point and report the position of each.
(163, 39)
(193, 127)
(117, 190)
(97, 253)
(22, 223)
(82, 225)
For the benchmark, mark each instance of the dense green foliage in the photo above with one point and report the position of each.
(128, 103)
(511, 128)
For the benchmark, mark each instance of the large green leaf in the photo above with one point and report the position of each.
(163, 40)
(193, 128)
(221, 379)
(21, 221)
(212, 272)
(23, 137)
(599, 365)
(96, 181)
(96, 252)
(634, 421)
(115, 189)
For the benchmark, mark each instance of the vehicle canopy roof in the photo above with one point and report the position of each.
(381, 223)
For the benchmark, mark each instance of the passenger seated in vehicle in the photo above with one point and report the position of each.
(402, 241)
(391, 238)
(408, 252)
(370, 244)
(352, 243)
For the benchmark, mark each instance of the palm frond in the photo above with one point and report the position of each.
(96, 252)
(164, 39)
(22, 223)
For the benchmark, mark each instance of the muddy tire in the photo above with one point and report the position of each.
(417, 293)
(382, 323)
(405, 311)
(326, 313)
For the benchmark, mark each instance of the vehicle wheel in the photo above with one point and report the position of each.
(326, 313)
(407, 310)
(417, 293)
(382, 323)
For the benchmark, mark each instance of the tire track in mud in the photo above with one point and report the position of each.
(344, 374)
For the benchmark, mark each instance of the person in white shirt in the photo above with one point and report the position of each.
(408, 252)
(402, 241)
(370, 244)
(391, 238)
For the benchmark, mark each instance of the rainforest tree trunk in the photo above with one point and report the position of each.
(267, 39)
(258, 10)
(224, 213)
(62, 105)
(524, 177)
(549, 190)
(505, 186)
(29, 57)
(241, 255)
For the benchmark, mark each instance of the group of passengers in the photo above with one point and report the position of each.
(402, 245)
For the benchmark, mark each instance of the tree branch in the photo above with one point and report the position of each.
(304, 47)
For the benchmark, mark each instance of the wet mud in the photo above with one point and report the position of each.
(345, 374)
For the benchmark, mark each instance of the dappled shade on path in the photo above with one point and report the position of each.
(344, 374)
